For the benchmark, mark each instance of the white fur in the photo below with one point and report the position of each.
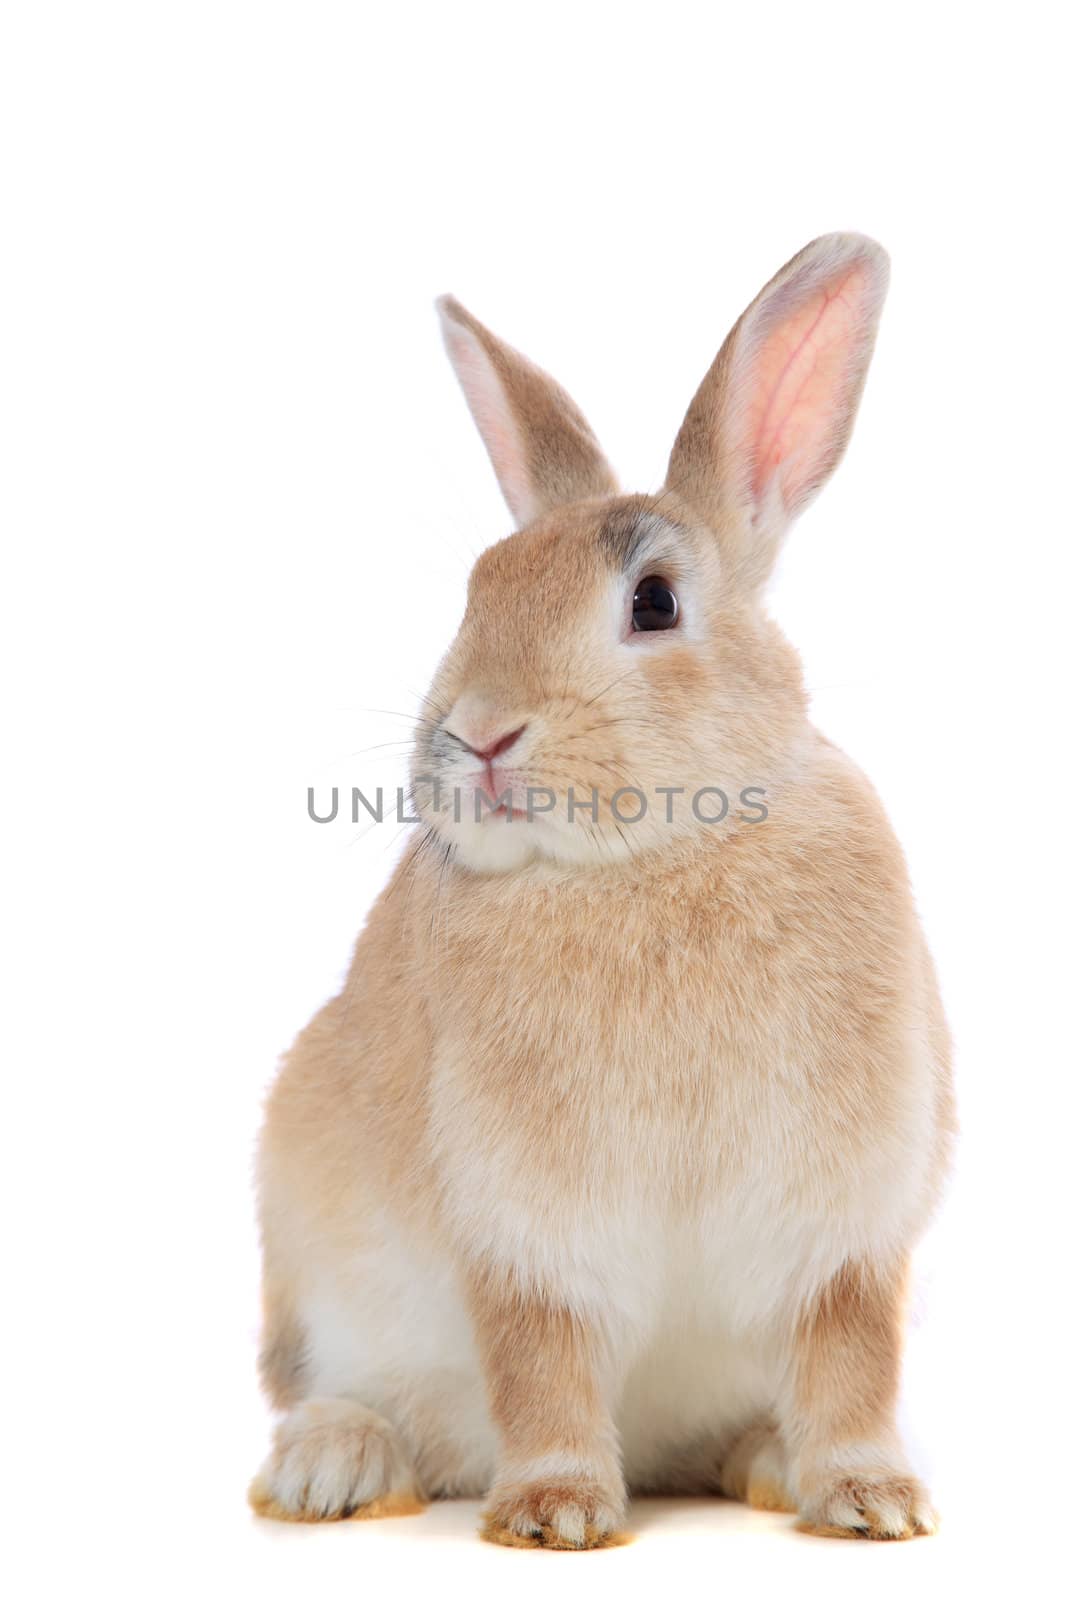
(331, 1456)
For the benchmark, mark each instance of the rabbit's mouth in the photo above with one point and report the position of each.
(500, 791)
(499, 795)
(503, 809)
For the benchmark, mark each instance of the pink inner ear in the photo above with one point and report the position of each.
(489, 407)
(800, 386)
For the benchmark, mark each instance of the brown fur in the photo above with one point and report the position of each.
(388, 1505)
(282, 1351)
(546, 1072)
(848, 1351)
(754, 1469)
(498, 1526)
(560, 454)
(542, 1364)
(886, 1509)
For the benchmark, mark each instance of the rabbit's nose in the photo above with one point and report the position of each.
(490, 747)
(497, 748)
(485, 724)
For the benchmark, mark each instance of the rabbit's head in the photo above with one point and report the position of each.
(615, 678)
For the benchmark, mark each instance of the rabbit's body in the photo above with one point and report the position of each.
(607, 1161)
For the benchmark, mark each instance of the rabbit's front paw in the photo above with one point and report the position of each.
(333, 1459)
(866, 1506)
(563, 1512)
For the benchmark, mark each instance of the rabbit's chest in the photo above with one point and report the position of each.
(702, 1084)
(634, 1190)
(629, 1121)
(641, 1042)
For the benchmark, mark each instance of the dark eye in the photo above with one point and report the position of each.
(655, 605)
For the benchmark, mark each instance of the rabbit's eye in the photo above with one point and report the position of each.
(655, 605)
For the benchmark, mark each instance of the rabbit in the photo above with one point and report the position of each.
(602, 1172)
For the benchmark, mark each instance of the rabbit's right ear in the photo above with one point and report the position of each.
(543, 451)
(771, 420)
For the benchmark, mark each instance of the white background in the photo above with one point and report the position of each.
(241, 493)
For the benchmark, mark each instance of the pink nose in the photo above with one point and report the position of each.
(498, 748)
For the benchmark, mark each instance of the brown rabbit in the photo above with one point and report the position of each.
(604, 1168)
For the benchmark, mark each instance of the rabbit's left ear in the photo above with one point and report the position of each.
(543, 451)
(771, 420)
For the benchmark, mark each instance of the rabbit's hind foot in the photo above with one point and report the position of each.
(332, 1459)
